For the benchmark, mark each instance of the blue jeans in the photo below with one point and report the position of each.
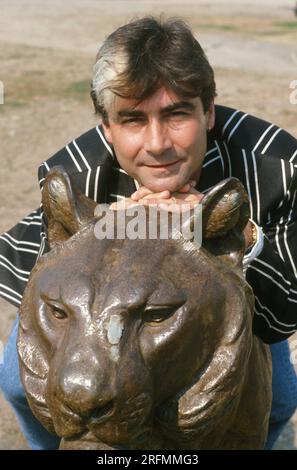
(284, 391)
(284, 388)
(10, 383)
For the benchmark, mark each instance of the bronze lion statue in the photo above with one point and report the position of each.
(144, 344)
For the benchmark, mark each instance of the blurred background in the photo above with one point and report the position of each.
(47, 49)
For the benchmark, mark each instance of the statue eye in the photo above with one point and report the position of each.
(59, 313)
(158, 314)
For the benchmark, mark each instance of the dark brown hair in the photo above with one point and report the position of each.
(139, 57)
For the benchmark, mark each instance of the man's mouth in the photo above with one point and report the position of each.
(163, 165)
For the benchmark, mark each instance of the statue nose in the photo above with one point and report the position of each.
(88, 397)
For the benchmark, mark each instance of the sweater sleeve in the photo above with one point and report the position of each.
(273, 273)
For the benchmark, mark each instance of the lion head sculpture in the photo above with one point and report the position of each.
(144, 343)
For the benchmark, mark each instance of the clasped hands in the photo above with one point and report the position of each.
(166, 200)
(186, 198)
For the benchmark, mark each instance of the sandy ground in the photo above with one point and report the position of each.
(47, 49)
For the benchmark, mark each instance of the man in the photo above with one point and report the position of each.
(163, 141)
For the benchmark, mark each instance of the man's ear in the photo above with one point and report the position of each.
(66, 209)
(211, 115)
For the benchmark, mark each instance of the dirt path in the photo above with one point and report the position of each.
(46, 53)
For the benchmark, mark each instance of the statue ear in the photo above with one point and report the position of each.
(66, 209)
(225, 213)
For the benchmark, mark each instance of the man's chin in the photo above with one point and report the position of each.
(162, 184)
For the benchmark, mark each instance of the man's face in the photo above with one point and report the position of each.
(161, 142)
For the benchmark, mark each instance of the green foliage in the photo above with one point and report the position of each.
(79, 90)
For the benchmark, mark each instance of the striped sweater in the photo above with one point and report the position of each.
(261, 155)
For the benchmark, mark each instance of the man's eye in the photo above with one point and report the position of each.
(133, 121)
(179, 113)
(59, 313)
(158, 314)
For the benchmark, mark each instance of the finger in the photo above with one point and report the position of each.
(123, 204)
(193, 199)
(177, 207)
(185, 188)
(191, 196)
(171, 207)
(153, 202)
(162, 195)
(117, 206)
(160, 202)
(113, 206)
(196, 193)
(140, 193)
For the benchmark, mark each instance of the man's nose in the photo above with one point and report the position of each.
(157, 138)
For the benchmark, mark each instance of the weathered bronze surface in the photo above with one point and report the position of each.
(144, 344)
